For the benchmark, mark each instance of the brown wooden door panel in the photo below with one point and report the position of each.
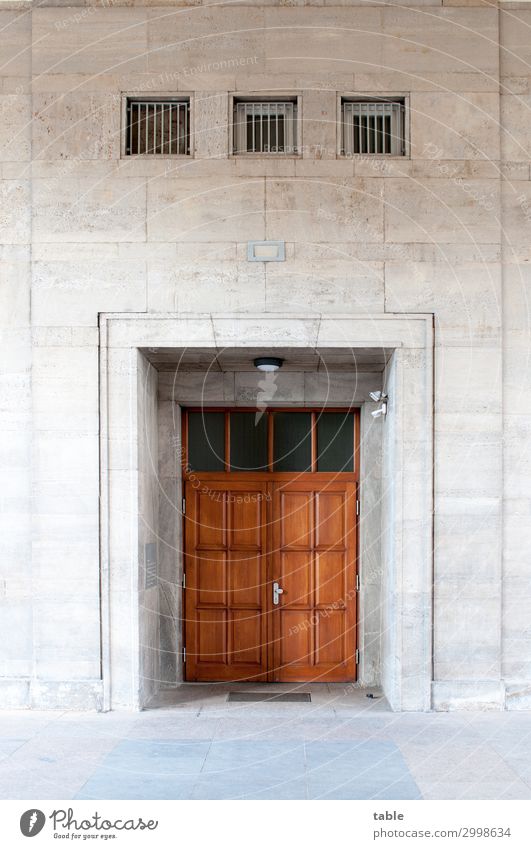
(242, 535)
(296, 510)
(245, 523)
(331, 579)
(210, 520)
(330, 519)
(295, 577)
(314, 559)
(226, 581)
(210, 570)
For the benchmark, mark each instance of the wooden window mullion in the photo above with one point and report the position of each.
(227, 441)
(270, 443)
(314, 442)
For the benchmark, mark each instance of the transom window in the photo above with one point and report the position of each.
(265, 126)
(274, 441)
(373, 127)
(158, 126)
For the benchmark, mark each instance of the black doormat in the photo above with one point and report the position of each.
(269, 697)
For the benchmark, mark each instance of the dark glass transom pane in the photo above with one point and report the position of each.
(292, 442)
(335, 442)
(206, 442)
(248, 442)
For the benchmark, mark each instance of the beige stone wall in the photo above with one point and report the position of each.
(149, 540)
(18, 663)
(516, 240)
(443, 230)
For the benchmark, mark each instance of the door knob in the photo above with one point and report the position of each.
(277, 592)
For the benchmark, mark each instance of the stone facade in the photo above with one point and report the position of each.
(88, 232)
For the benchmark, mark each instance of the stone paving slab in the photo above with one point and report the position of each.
(315, 751)
(227, 770)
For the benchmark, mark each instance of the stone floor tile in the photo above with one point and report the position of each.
(136, 787)
(335, 754)
(290, 790)
(455, 764)
(255, 761)
(26, 723)
(157, 757)
(185, 728)
(18, 782)
(355, 789)
(9, 745)
(474, 790)
(214, 787)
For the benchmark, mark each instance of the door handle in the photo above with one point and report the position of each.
(277, 592)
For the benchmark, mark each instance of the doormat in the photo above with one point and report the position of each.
(269, 697)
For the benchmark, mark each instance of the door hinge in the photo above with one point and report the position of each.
(358, 583)
(357, 656)
(184, 580)
(184, 654)
(184, 506)
(357, 507)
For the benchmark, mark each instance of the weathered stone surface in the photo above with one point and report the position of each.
(446, 210)
(332, 210)
(205, 210)
(464, 125)
(516, 146)
(89, 40)
(236, 287)
(442, 232)
(445, 44)
(332, 286)
(76, 126)
(208, 40)
(515, 55)
(71, 210)
(465, 299)
(73, 293)
(15, 128)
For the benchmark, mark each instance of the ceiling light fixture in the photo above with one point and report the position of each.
(268, 363)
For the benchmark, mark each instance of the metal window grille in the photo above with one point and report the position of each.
(265, 127)
(158, 127)
(373, 128)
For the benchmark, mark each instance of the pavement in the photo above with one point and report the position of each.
(194, 744)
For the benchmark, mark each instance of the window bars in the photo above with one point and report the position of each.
(265, 127)
(373, 127)
(159, 127)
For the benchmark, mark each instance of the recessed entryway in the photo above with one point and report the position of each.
(153, 367)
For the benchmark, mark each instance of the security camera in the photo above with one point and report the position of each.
(380, 412)
(377, 396)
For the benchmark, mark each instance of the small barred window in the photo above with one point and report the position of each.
(373, 127)
(265, 126)
(158, 126)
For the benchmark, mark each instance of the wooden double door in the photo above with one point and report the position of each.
(270, 576)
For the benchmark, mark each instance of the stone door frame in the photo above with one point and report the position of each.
(407, 504)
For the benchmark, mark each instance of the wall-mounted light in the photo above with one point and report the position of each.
(378, 396)
(268, 363)
(381, 411)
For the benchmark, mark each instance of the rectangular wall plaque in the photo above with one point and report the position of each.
(270, 251)
(150, 559)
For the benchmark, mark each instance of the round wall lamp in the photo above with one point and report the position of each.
(268, 363)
